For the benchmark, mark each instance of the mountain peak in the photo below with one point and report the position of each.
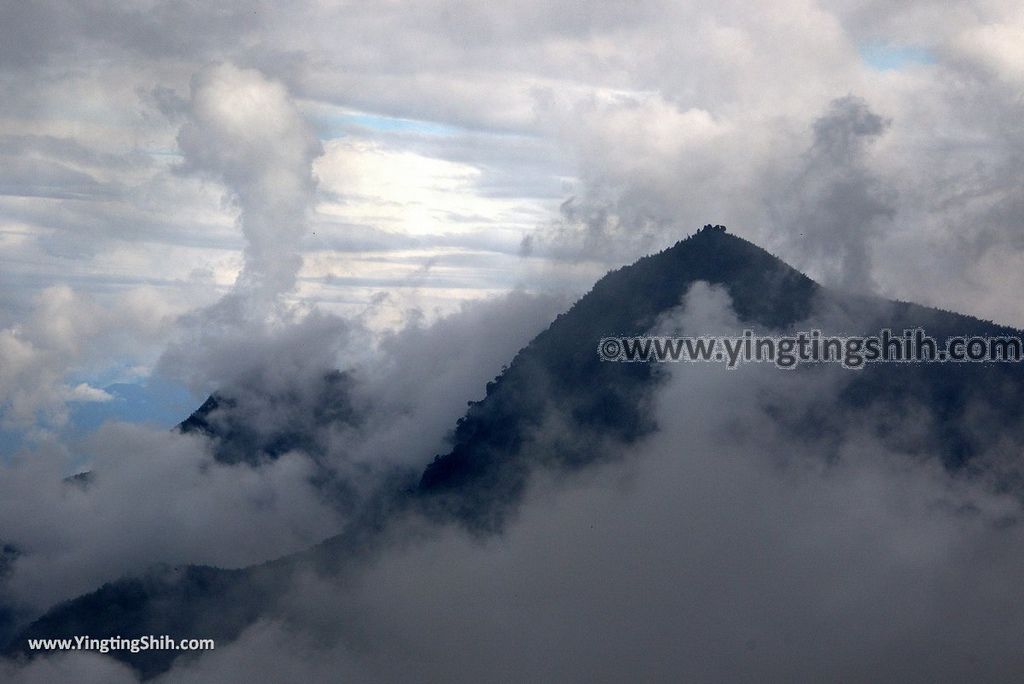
(598, 398)
(708, 228)
(557, 381)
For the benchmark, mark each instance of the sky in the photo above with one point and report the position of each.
(202, 195)
(448, 151)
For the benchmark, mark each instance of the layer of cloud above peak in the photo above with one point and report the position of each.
(653, 116)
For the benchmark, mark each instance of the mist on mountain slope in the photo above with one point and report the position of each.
(720, 548)
(723, 545)
(530, 424)
(157, 496)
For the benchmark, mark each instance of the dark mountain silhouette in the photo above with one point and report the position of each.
(241, 434)
(502, 439)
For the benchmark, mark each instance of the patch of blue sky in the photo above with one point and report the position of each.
(891, 57)
(336, 125)
(151, 401)
(154, 401)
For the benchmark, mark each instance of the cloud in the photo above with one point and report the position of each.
(640, 120)
(83, 392)
(720, 546)
(154, 496)
(656, 117)
(89, 669)
(835, 209)
(69, 332)
(244, 130)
